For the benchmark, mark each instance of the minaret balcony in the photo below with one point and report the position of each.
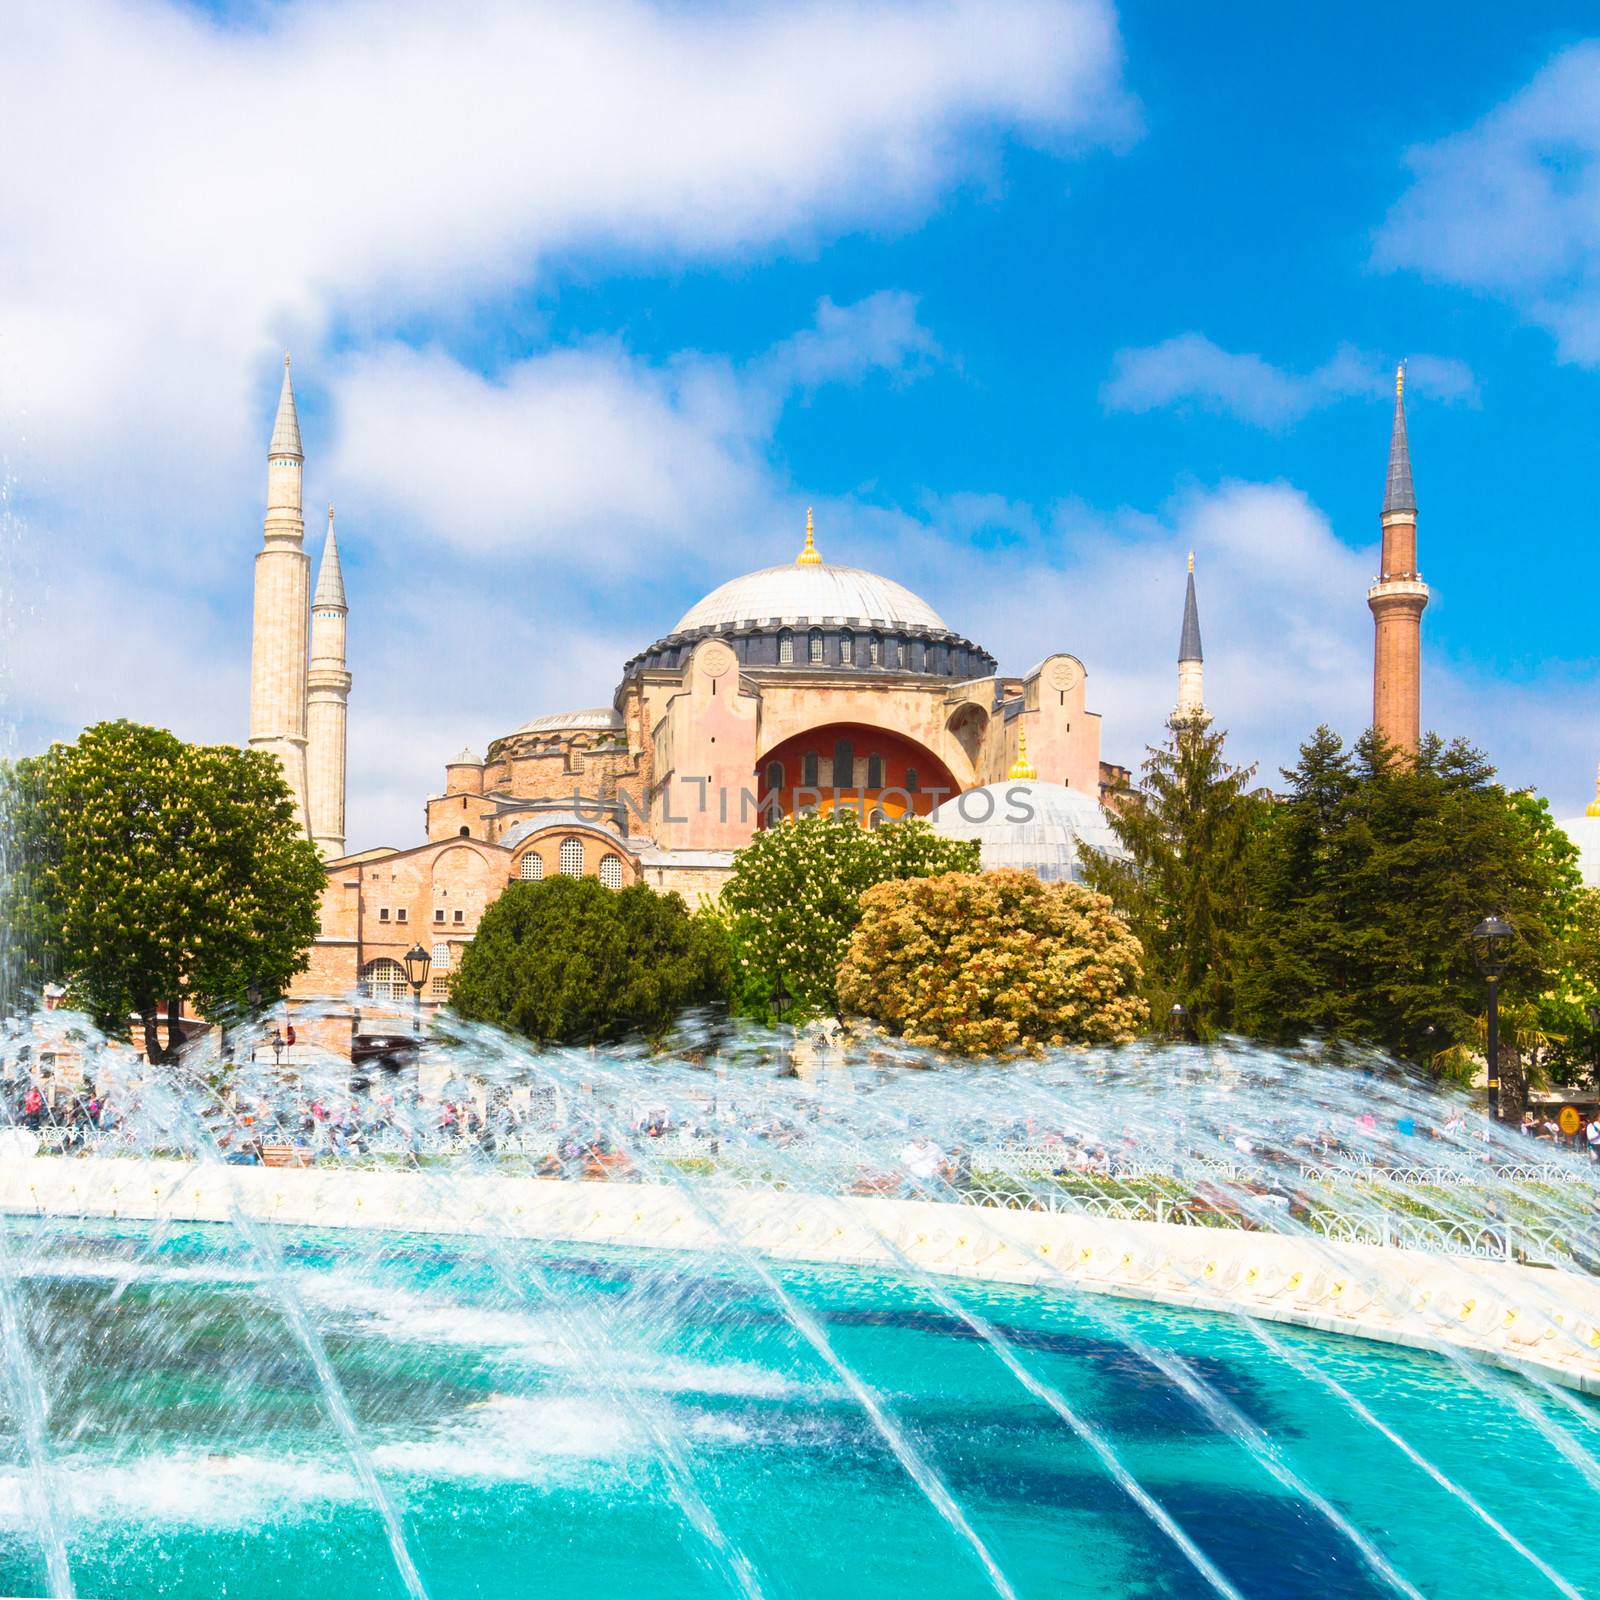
(1412, 588)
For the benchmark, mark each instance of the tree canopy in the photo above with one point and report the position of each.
(1185, 887)
(141, 870)
(1369, 881)
(989, 963)
(570, 961)
(795, 898)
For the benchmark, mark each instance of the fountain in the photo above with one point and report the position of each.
(1162, 1320)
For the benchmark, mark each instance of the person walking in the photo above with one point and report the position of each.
(1592, 1135)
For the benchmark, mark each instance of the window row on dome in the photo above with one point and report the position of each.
(833, 646)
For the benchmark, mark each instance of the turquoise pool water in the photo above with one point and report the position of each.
(195, 1458)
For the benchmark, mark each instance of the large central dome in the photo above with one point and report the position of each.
(815, 593)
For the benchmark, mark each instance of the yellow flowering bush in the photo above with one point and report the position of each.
(993, 963)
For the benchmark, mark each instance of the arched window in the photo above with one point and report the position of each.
(532, 868)
(911, 780)
(847, 649)
(814, 646)
(611, 871)
(878, 818)
(464, 832)
(809, 763)
(774, 777)
(572, 858)
(875, 650)
(384, 980)
(441, 953)
(786, 647)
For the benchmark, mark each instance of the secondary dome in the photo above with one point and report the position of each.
(1042, 828)
(820, 592)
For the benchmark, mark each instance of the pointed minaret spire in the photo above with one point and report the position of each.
(1398, 598)
(1191, 669)
(327, 700)
(286, 429)
(808, 557)
(1398, 494)
(330, 578)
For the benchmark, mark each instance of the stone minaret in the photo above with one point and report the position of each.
(283, 583)
(327, 691)
(1397, 599)
(1191, 705)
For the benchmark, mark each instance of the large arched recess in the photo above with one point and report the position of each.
(889, 776)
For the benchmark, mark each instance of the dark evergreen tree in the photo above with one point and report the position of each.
(1185, 888)
(1369, 880)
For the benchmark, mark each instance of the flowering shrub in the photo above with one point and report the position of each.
(794, 898)
(992, 963)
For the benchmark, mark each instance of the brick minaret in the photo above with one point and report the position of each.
(327, 691)
(283, 584)
(1191, 705)
(1397, 599)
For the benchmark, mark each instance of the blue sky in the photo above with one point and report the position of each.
(589, 302)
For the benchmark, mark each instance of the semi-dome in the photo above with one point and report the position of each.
(1042, 828)
(817, 593)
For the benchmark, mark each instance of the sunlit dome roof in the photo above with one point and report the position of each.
(815, 593)
(1043, 828)
(1584, 832)
(595, 718)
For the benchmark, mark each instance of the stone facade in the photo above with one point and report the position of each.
(797, 688)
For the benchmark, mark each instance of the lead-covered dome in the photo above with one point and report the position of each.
(1043, 828)
(819, 593)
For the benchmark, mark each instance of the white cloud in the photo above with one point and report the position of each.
(1191, 369)
(589, 457)
(193, 195)
(1511, 205)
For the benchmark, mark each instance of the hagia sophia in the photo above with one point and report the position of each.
(807, 685)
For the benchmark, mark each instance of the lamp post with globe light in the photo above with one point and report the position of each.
(1491, 941)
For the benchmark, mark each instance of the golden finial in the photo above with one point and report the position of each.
(1594, 805)
(330, 511)
(1191, 563)
(1400, 380)
(1022, 769)
(286, 358)
(808, 557)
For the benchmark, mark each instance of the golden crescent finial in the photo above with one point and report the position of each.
(1191, 563)
(1022, 769)
(286, 358)
(808, 557)
(1400, 380)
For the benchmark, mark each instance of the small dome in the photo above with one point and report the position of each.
(1042, 828)
(815, 593)
(1584, 832)
(465, 759)
(600, 719)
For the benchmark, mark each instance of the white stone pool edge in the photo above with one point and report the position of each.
(1534, 1320)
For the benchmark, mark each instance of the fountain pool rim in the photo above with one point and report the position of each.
(1534, 1320)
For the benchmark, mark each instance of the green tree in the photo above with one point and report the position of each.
(1185, 886)
(990, 963)
(144, 870)
(1370, 878)
(795, 898)
(570, 961)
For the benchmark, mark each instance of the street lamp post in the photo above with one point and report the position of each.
(1492, 941)
(1177, 1021)
(417, 964)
